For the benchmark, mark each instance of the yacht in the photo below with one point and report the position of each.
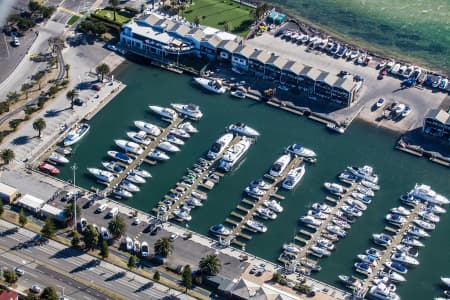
(374, 252)
(354, 54)
(142, 172)
(193, 202)
(405, 259)
(293, 177)
(325, 243)
(409, 250)
(171, 138)
(140, 137)
(351, 281)
(345, 176)
(280, 165)
(220, 230)
(273, 205)
(122, 193)
(166, 146)
(337, 230)
(351, 210)
(76, 134)
(411, 241)
(395, 219)
(180, 133)
(64, 150)
(266, 213)
(317, 214)
(334, 188)
(164, 112)
(198, 195)
(409, 200)
(243, 129)
(446, 281)
(424, 224)
(254, 191)
(393, 276)
(363, 267)
(320, 251)
(148, 128)
(57, 158)
(382, 239)
(260, 184)
(291, 248)
(301, 151)
(429, 216)
(321, 207)
(158, 155)
(436, 209)
(233, 154)
(356, 203)
(425, 193)
(361, 197)
(365, 191)
(112, 166)
(341, 223)
(311, 221)
(127, 185)
(192, 111)
(365, 172)
(336, 128)
(371, 260)
(131, 147)
(212, 85)
(182, 214)
(382, 292)
(345, 216)
(101, 175)
(396, 267)
(238, 94)
(188, 127)
(258, 226)
(135, 178)
(221, 144)
(400, 210)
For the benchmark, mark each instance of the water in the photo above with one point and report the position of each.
(412, 29)
(360, 145)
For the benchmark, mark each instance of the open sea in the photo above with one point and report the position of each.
(362, 144)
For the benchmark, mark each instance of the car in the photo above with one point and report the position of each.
(68, 196)
(101, 208)
(156, 230)
(173, 237)
(111, 47)
(137, 221)
(406, 111)
(15, 42)
(78, 102)
(380, 102)
(96, 87)
(83, 224)
(35, 288)
(89, 203)
(19, 271)
(344, 74)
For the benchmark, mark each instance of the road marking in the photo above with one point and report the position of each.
(6, 45)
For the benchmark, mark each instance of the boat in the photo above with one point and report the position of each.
(393, 276)
(334, 188)
(238, 94)
(129, 244)
(180, 133)
(436, 209)
(405, 259)
(351, 210)
(336, 230)
(266, 213)
(192, 111)
(48, 168)
(341, 223)
(166, 146)
(406, 111)
(311, 221)
(191, 201)
(201, 196)
(361, 197)
(396, 267)
(291, 248)
(148, 128)
(395, 219)
(76, 134)
(380, 102)
(131, 147)
(446, 281)
(361, 59)
(280, 165)
(345, 216)
(335, 49)
(63, 150)
(443, 83)
(171, 138)
(258, 226)
(164, 112)
(366, 191)
(374, 252)
(293, 177)
(220, 230)
(140, 137)
(320, 251)
(354, 54)
(325, 243)
(127, 185)
(417, 231)
(101, 175)
(424, 224)
(120, 156)
(233, 154)
(409, 200)
(182, 214)
(188, 127)
(356, 203)
(336, 128)
(221, 144)
(317, 214)
(371, 260)
(363, 267)
(254, 191)
(135, 178)
(112, 166)
(301, 151)
(142, 172)
(321, 207)
(382, 292)
(57, 158)
(365, 172)
(260, 184)
(351, 281)
(400, 210)
(394, 70)
(436, 82)
(412, 241)
(429, 216)
(409, 250)
(382, 239)
(243, 129)
(425, 193)
(273, 205)
(212, 85)
(122, 193)
(345, 176)
(158, 155)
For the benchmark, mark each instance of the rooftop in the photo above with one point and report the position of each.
(439, 115)
(149, 33)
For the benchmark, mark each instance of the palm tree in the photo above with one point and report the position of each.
(39, 125)
(210, 265)
(228, 26)
(69, 211)
(163, 247)
(197, 21)
(67, 68)
(7, 155)
(114, 4)
(72, 95)
(102, 69)
(181, 9)
(117, 226)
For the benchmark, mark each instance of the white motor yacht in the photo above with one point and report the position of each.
(243, 129)
(127, 185)
(291, 248)
(393, 276)
(266, 213)
(334, 188)
(356, 203)
(351, 210)
(148, 128)
(220, 230)
(57, 158)
(193, 202)
(364, 172)
(374, 252)
(429, 216)
(371, 260)
(112, 166)
(234, 153)
(411, 241)
(382, 239)
(436, 209)
(164, 112)
(135, 178)
(351, 281)
(273, 205)
(76, 134)
(280, 165)
(254, 191)
(425, 193)
(322, 207)
(171, 138)
(212, 85)
(370, 185)
(158, 155)
(301, 151)
(122, 193)
(188, 127)
(142, 173)
(361, 197)
(192, 111)
(220, 145)
(238, 94)
(424, 224)
(260, 184)
(336, 230)
(182, 214)
(411, 251)
(341, 223)
(382, 292)
(311, 221)
(365, 191)
(446, 281)
(395, 219)
(104, 176)
(166, 146)
(417, 231)
(180, 133)
(258, 226)
(140, 137)
(320, 251)
(363, 267)
(131, 147)
(293, 177)
(317, 214)
(325, 243)
(400, 210)
(405, 259)
(120, 156)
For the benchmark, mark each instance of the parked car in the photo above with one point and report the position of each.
(101, 208)
(35, 288)
(19, 271)
(173, 237)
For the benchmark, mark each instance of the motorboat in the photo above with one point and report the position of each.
(320, 251)
(191, 201)
(293, 177)
(341, 223)
(437, 81)
(392, 276)
(254, 191)
(255, 225)
(396, 267)
(221, 144)
(57, 158)
(443, 83)
(374, 253)
(321, 207)
(334, 188)
(201, 196)
(345, 216)
(325, 243)
(399, 108)
(335, 49)
(364, 172)
(424, 224)
(383, 292)
(112, 166)
(382, 239)
(345, 176)
(301, 151)
(363, 267)
(311, 221)
(336, 230)
(409, 250)
(351, 281)
(348, 53)
(436, 209)
(129, 186)
(129, 244)
(48, 168)
(212, 85)
(405, 259)
(425, 193)
(180, 133)
(336, 128)
(136, 246)
(371, 260)
(395, 219)
(280, 165)
(120, 156)
(273, 205)
(400, 210)
(171, 138)
(220, 230)
(409, 200)
(142, 172)
(164, 112)
(266, 213)
(166, 146)
(317, 214)
(76, 134)
(394, 70)
(411, 241)
(64, 150)
(104, 176)
(429, 216)
(243, 129)
(361, 59)
(352, 210)
(182, 214)
(446, 281)
(406, 111)
(192, 111)
(234, 153)
(188, 127)
(356, 203)
(131, 147)
(361, 197)
(260, 184)
(140, 137)
(291, 248)
(122, 193)
(238, 94)
(354, 54)
(148, 128)
(366, 191)
(158, 155)
(135, 178)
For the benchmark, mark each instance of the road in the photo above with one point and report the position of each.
(46, 263)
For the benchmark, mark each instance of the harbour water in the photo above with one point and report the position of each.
(361, 144)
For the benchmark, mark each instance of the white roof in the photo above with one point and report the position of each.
(226, 36)
(7, 190)
(51, 210)
(31, 202)
(148, 32)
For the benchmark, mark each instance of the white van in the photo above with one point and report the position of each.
(101, 208)
(113, 212)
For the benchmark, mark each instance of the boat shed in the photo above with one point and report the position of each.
(7, 193)
(31, 203)
(55, 213)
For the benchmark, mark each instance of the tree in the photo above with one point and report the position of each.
(25, 88)
(39, 125)
(114, 4)
(22, 218)
(181, 8)
(69, 211)
(7, 155)
(197, 21)
(186, 277)
(210, 265)
(163, 247)
(132, 262)
(102, 70)
(75, 242)
(10, 276)
(156, 276)
(48, 230)
(34, 5)
(67, 69)
(72, 95)
(12, 97)
(90, 237)
(117, 226)
(49, 293)
(31, 296)
(104, 250)
(228, 26)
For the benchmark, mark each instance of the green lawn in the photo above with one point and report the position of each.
(109, 14)
(216, 13)
(72, 20)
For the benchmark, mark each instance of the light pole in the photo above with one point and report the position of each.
(74, 169)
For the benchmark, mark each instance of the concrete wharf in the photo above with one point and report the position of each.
(239, 225)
